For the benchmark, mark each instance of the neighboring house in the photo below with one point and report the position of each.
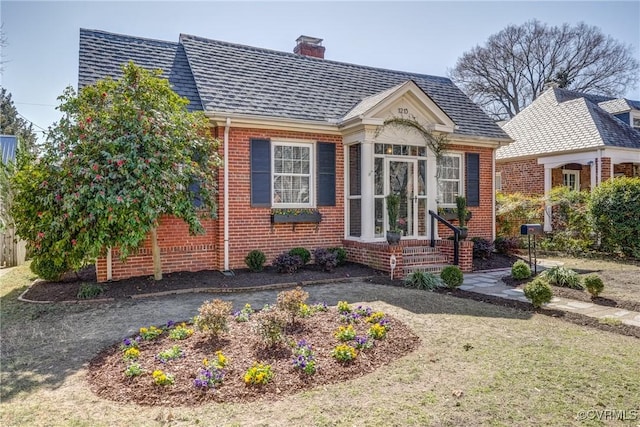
(12, 250)
(302, 132)
(569, 138)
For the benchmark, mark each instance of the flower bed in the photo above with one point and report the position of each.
(187, 371)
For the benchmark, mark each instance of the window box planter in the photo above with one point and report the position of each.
(295, 216)
(451, 214)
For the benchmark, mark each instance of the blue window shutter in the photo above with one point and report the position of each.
(260, 172)
(473, 179)
(194, 190)
(326, 174)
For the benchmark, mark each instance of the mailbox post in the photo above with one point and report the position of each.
(532, 230)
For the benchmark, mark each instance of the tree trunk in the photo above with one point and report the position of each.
(155, 251)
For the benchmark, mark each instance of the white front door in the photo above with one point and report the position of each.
(403, 180)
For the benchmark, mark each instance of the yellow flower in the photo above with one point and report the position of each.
(205, 361)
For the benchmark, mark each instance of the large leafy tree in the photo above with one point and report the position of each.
(125, 152)
(511, 69)
(12, 124)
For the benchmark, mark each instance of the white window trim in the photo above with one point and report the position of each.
(574, 173)
(498, 182)
(634, 115)
(312, 176)
(461, 179)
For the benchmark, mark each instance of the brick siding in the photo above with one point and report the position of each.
(250, 227)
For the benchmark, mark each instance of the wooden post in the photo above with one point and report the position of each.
(155, 251)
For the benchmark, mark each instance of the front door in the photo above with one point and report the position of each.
(403, 181)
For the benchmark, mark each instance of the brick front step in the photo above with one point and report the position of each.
(422, 258)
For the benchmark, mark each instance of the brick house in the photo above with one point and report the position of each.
(302, 132)
(569, 138)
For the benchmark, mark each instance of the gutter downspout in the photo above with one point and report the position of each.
(226, 194)
(493, 195)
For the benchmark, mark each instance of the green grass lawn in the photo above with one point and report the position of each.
(478, 365)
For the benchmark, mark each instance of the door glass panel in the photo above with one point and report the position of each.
(401, 182)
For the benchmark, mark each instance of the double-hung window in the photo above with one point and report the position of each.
(450, 179)
(292, 174)
(571, 179)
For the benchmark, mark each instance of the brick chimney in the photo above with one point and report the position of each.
(309, 46)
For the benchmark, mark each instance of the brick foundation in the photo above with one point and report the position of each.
(378, 255)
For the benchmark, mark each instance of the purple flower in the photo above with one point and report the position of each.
(170, 323)
(127, 342)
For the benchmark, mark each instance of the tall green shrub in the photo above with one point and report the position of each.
(572, 230)
(513, 210)
(615, 210)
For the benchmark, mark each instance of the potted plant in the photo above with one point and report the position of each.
(393, 207)
(461, 204)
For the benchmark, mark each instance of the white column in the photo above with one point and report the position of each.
(432, 190)
(592, 168)
(368, 184)
(547, 207)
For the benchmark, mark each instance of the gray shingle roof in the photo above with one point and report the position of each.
(232, 78)
(559, 121)
(102, 54)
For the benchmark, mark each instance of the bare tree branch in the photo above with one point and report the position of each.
(511, 69)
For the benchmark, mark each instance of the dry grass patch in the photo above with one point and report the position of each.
(621, 279)
(477, 365)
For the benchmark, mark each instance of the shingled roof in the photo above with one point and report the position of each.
(238, 79)
(560, 121)
(102, 55)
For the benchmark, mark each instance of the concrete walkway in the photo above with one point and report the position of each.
(489, 283)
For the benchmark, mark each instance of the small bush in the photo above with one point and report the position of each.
(520, 270)
(48, 269)
(593, 284)
(564, 277)
(482, 248)
(285, 263)
(291, 301)
(212, 317)
(303, 253)
(506, 245)
(538, 292)
(89, 291)
(270, 324)
(255, 260)
(422, 280)
(326, 259)
(452, 276)
(341, 254)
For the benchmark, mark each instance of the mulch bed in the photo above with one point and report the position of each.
(242, 347)
(67, 290)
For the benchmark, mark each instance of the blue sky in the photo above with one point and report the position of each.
(427, 37)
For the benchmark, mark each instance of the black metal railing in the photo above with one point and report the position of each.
(456, 235)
